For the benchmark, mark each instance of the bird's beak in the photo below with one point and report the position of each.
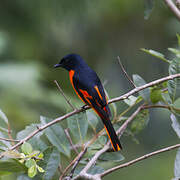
(57, 65)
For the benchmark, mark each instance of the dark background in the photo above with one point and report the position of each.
(35, 35)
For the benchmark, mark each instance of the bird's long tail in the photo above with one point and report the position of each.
(105, 115)
(112, 134)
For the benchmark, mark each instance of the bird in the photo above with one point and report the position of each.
(89, 89)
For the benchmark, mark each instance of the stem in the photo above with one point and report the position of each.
(76, 111)
(173, 8)
(139, 159)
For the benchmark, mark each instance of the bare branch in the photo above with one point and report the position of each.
(61, 91)
(95, 157)
(70, 140)
(77, 162)
(80, 155)
(173, 8)
(11, 140)
(124, 125)
(137, 89)
(106, 147)
(126, 74)
(139, 159)
(125, 96)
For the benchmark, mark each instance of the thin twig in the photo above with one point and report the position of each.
(162, 106)
(173, 8)
(10, 140)
(79, 156)
(61, 91)
(124, 71)
(77, 162)
(95, 157)
(76, 111)
(10, 135)
(137, 89)
(138, 159)
(125, 124)
(70, 140)
(60, 168)
(106, 147)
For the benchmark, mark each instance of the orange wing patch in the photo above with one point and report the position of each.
(84, 93)
(96, 88)
(86, 96)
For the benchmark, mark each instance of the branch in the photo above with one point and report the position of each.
(106, 147)
(124, 125)
(77, 162)
(95, 157)
(11, 140)
(126, 74)
(61, 91)
(139, 159)
(137, 89)
(120, 132)
(70, 141)
(125, 96)
(173, 8)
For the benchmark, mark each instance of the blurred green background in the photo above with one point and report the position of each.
(35, 35)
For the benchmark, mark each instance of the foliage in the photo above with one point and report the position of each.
(54, 144)
(48, 153)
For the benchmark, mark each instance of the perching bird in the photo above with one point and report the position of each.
(88, 87)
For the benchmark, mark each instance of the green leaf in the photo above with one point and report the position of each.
(4, 130)
(50, 163)
(26, 148)
(148, 7)
(40, 169)
(32, 171)
(166, 98)
(95, 170)
(12, 154)
(112, 156)
(23, 177)
(4, 144)
(28, 130)
(3, 120)
(131, 100)
(37, 143)
(156, 54)
(92, 119)
(175, 124)
(30, 162)
(12, 166)
(78, 126)
(140, 121)
(139, 81)
(175, 51)
(177, 165)
(156, 95)
(174, 85)
(178, 37)
(99, 143)
(176, 106)
(57, 137)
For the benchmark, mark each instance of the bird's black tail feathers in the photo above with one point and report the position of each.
(112, 134)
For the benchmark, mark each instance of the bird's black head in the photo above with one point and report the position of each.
(70, 62)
